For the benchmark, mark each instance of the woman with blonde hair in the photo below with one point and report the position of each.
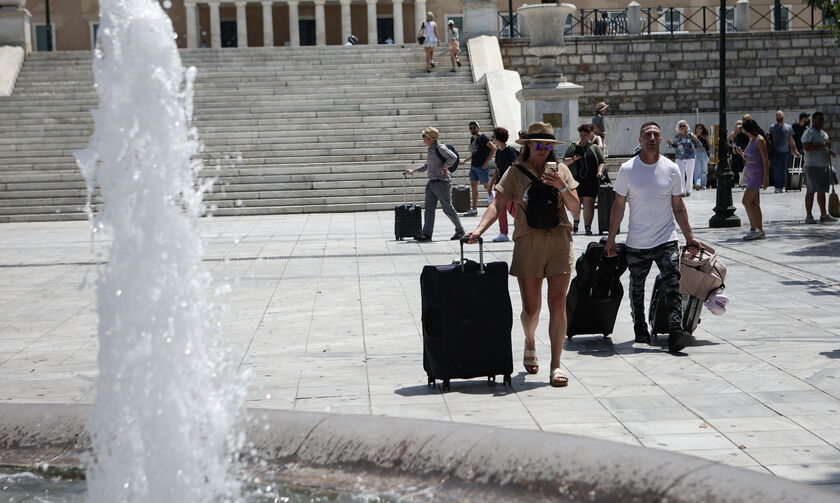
(430, 32)
(684, 142)
(543, 254)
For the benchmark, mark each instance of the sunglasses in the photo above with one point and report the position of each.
(543, 146)
(683, 127)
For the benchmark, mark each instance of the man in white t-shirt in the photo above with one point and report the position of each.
(652, 185)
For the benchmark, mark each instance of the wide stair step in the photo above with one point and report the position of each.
(289, 130)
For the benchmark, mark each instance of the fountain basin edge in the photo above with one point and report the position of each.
(429, 460)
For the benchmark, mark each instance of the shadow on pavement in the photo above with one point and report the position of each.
(831, 354)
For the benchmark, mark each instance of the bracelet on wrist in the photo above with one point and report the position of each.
(564, 189)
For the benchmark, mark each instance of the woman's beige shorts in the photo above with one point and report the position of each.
(540, 254)
(453, 44)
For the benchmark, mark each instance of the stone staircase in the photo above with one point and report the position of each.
(284, 130)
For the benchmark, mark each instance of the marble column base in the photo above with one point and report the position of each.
(555, 103)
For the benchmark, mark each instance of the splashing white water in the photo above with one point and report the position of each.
(167, 401)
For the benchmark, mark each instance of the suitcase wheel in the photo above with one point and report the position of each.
(491, 379)
(606, 335)
(507, 380)
(431, 382)
(446, 386)
(569, 336)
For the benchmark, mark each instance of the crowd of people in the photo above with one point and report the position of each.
(544, 253)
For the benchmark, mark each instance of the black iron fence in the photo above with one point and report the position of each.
(613, 22)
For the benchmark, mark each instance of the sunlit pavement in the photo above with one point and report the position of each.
(325, 312)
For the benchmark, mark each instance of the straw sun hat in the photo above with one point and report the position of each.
(539, 131)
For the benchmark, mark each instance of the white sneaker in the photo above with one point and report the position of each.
(752, 234)
(760, 235)
(501, 238)
(827, 218)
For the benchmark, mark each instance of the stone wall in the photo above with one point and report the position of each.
(651, 76)
(664, 74)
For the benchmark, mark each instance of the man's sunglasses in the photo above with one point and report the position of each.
(543, 146)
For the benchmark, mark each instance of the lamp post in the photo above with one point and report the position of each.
(49, 26)
(724, 210)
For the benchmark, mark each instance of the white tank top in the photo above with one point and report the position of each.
(430, 31)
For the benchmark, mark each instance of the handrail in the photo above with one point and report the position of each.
(703, 19)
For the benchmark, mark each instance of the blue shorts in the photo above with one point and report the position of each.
(479, 175)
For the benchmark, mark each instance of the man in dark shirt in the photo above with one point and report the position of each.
(799, 128)
(481, 151)
(598, 121)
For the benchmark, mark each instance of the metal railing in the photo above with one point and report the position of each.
(506, 22)
(808, 14)
(591, 22)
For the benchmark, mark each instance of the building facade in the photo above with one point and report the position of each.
(277, 23)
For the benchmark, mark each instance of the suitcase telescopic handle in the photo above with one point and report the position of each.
(480, 254)
(405, 194)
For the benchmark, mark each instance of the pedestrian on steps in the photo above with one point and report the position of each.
(430, 31)
(453, 39)
(438, 161)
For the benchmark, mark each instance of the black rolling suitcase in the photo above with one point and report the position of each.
(460, 196)
(467, 320)
(658, 316)
(407, 221)
(795, 175)
(606, 198)
(595, 293)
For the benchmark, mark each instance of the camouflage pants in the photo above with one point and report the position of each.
(667, 258)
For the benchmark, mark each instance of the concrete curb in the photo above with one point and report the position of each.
(434, 461)
(11, 59)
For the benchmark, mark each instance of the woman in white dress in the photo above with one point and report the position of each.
(430, 31)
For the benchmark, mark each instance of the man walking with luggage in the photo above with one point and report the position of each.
(818, 154)
(438, 161)
(652, 185)
(783, 146)
(481, 151)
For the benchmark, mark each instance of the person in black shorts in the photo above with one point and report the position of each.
(586, 161)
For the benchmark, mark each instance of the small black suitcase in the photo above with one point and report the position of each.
(606, 198)
(795, 175)
(658, 316)
(461, 198)
(407, 219)
(595, 293)
(467, 320)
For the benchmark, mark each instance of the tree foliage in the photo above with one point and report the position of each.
(831, 13)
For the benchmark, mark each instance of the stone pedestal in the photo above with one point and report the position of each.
(15, 25)
(556, 104)
(480, 18)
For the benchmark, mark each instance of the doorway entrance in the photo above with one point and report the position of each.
(228, 31)
(307, 31)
